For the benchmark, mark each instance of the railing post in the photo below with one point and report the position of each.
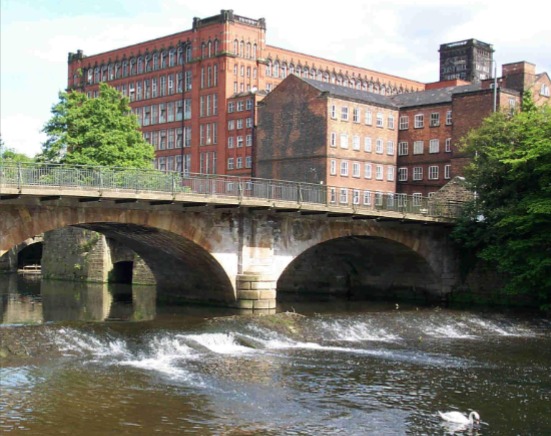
(299, 193)
(19, 175)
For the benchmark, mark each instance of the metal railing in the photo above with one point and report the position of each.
(21, 175)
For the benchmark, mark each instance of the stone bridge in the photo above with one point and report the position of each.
(244, 252)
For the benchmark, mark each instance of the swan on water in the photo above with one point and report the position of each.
(459, 418)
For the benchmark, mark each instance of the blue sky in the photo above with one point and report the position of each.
(394, 36)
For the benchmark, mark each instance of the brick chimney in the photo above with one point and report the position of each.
(519, 75)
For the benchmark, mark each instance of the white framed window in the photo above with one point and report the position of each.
(419, 121)
(417, 199)
(356, 196)
(433, 172)
(239, 141)
(344, 140)
(418, 147)
(544, 90)
(249, 140)
(333, 195)
(402, 200)
(417, 173)
(368, 171)
(231, 107)
(333, 142)
(356, 115)
(333, 111)
(356, 143)
(380, 119)
(367, 198)
(379, 146)
(368, 117)
(434, 146)
(344, 168)
(434, 119)
(231, 125)
(390, 173)
(448, 146)
(367, 144)
(230, 141)
(390, 200)
(402, 174)
(239, 124)
(230, 163)
(390, 148)
(240, 106)
(390, 122)
(343, 198)
(448, 118)
(404, 122)
(447, 171)
(379, 172)
(249, 123)
(378, 198)
(248, 162)
(402, 148)
(344, 113)
(333, 167)
(355, 169)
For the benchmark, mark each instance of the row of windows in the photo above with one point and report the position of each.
(281, 70)
(207, 163)
(368, 143)
(137, 65)
(237, 141)
(245, 50)
(163, 112)
(419, 120)
(240, 105)
(356, 168)
(242, 69)
(373, 198)
(417, 173)
(169, 139)
(238, 124)
(419, 147)
(237, 163)
(208, 105)
(155, 87)
(356, 116)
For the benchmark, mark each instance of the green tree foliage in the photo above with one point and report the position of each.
(95, 131)
(10, 155)
(509, 223)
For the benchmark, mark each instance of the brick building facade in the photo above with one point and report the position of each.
(181, 85)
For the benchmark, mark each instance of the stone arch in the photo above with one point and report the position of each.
(185, 240)
(426, 248)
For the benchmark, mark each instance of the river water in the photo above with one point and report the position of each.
(124, 366)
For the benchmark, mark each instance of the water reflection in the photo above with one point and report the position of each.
(31, 300)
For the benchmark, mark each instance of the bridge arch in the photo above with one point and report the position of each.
(188, 261)
(356, 258)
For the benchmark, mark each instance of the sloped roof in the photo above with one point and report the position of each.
(351, 93)
(432, 96)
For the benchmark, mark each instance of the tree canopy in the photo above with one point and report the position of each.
(10, 155)
(509, 223)
(95, 131)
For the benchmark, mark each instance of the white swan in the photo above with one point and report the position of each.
(459, 418)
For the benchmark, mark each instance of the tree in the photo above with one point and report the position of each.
(95, 131)
(10, 155)
(509, 223)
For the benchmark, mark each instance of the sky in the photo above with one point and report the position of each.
(399, 37)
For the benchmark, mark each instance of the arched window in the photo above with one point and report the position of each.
(132, 66)
(203, 50)
(118, 70)
(283, 73)
(216, 47)
(180, 55)
(164, 59)
(276, 69)
(189, 52)
(125, 68)
(291, 68)
(147, 63)
(248, 52)
(241, 48)
(236, 47)
(140, 65)
(96, 75)
(172, 57)
(209, 49)
(298, 71)
(155, 61)
(269, 68)
(254, 51)
(110, 72)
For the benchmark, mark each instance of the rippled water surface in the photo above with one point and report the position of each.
(336, 370)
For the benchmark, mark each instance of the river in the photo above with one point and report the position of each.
(119, 365)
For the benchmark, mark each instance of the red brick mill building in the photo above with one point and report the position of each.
(196, 94)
